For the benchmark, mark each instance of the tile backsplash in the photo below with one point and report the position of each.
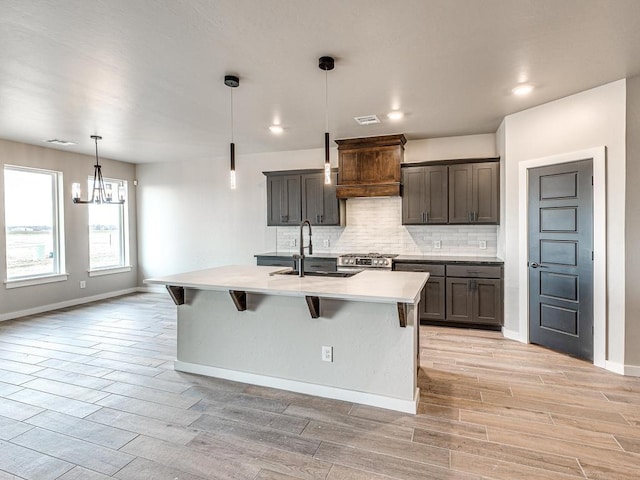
(375, 225)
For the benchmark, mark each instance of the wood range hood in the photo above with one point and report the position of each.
(370, 166)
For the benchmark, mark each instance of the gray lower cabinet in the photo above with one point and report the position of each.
(458, 294)
(432, 303)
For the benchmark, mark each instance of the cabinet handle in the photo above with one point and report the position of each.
(473, 285)
(426, 217)
(475, 216)
(321, 218)
(470, 217)
(282, 218)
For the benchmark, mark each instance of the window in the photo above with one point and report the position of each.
(108, 238)
(32, 223)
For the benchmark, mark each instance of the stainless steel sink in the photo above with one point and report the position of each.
(319, 274)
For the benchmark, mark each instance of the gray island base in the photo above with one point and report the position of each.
(247, 324)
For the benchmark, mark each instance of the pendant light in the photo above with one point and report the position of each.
(100, 192)
(232, 81)
(326, 64)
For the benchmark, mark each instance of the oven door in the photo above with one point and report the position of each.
(349, 269)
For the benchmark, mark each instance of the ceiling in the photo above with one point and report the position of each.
(148, 75)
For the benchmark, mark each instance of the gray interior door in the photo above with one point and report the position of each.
(561, 257)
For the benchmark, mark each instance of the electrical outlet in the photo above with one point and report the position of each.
(482, 244)
(83, 284)
(326, 243)
(293, 242)
(327, 354)
(437, 244)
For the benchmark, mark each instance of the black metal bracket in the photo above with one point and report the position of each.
(313, 303)
(239, 298)
(402, 314)
(177, 294)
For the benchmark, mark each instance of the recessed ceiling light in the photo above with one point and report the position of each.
(523, 89)
(276, 129)
(56, 141)
(395, 115)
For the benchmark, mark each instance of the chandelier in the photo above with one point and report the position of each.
(100, 192)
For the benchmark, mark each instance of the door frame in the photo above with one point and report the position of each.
(598, 155)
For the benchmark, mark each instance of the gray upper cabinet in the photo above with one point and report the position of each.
(473, 193)
(319, 202)
(283, 200)
(298, 195)
(451, 193)
(424, 199)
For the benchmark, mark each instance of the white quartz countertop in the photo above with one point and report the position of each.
(366, 286)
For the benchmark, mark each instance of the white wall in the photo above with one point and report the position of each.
(189, 218)
(632, 224)
(585, 120)
(74, 168)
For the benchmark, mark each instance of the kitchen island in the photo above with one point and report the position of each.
(253, 325)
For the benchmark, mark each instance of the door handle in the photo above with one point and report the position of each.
(536, 265)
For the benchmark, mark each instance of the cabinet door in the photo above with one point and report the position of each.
(459, 300)
(488, 301)
(432, 300)
(486, 192)
(283, 200)
(413, 196)
(460, 193)
(436, 194)
(320, 205)
(275, 187)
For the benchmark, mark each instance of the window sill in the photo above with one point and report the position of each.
(109, 271)
(28, 282)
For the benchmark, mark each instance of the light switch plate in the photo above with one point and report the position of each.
(293, 242)
(437, 244)
(326, 243)
(482, 244)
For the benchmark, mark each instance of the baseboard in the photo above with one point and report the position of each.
(65, 304)
(627, 370)
(153, 289)
(632, 370)
(406, 406)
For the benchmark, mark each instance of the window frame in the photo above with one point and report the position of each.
(57, 215)
(125, 264)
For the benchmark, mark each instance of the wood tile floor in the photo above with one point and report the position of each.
(89, 393)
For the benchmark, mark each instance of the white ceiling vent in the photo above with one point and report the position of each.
(367, 120)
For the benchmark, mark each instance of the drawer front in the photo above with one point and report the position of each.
(434, 270)
(275, 262)
(474, 271)
(311, 265)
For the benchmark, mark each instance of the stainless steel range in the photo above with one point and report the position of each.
(351, 261)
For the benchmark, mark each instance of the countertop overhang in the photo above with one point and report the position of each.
(366, 286)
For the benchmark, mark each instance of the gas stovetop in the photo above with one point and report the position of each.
(366, 260)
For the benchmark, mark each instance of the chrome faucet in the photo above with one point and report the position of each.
(300, 257)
